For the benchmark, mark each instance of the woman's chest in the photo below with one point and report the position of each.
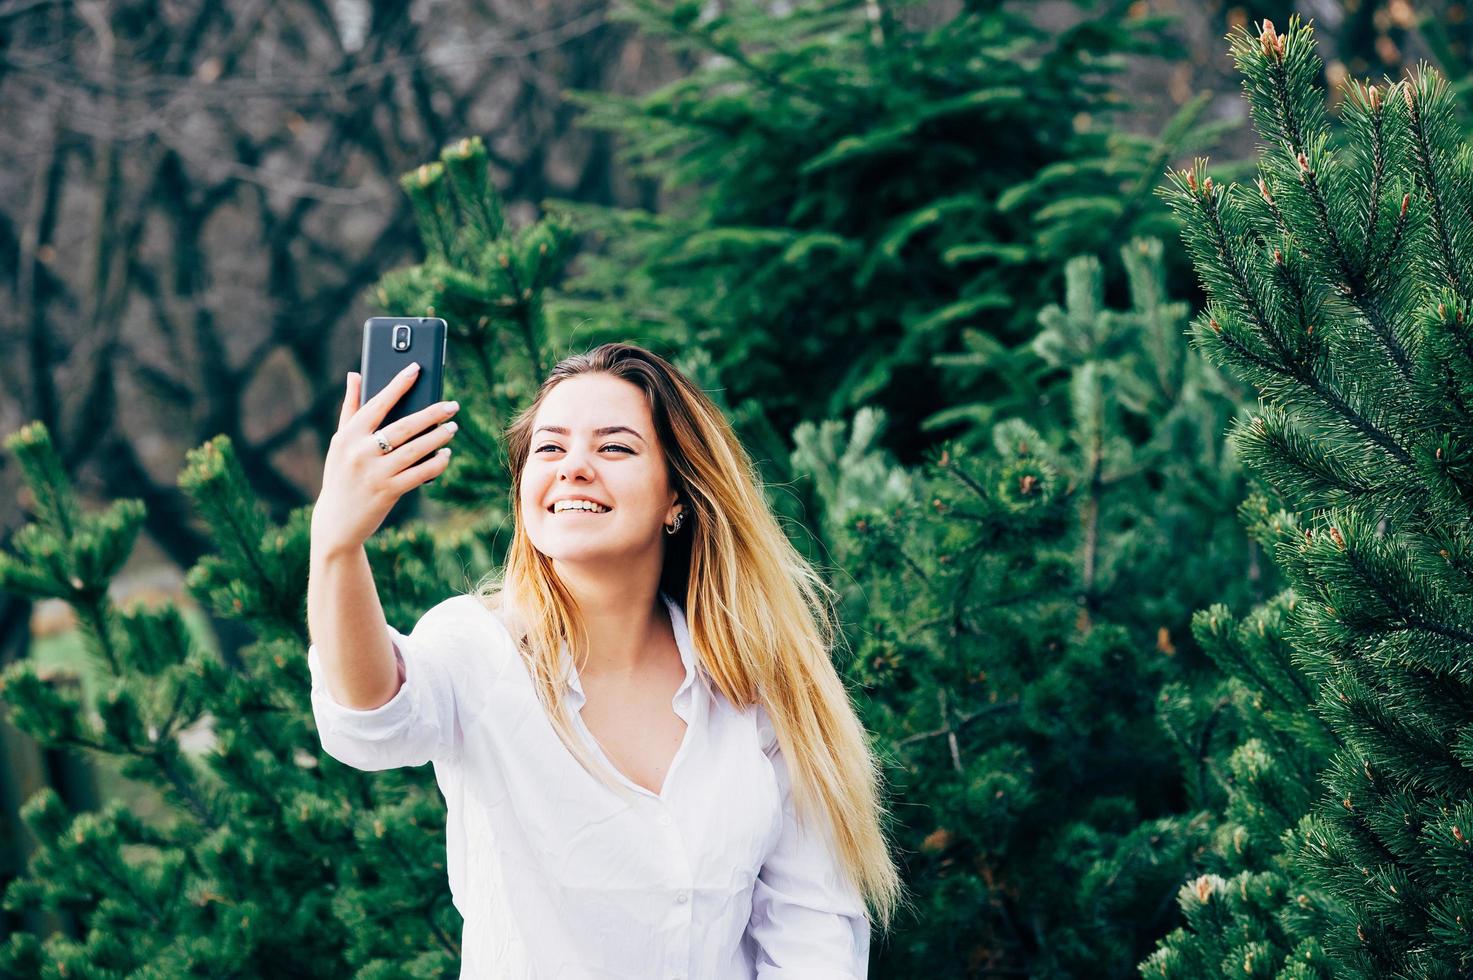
(637, 728)
(716, 816)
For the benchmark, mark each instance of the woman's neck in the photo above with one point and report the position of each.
(629, 628)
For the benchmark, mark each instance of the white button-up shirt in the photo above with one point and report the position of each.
(554, 875)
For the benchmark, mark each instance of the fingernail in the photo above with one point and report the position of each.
(451, 426)
(413, 367)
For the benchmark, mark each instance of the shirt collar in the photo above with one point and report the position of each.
(694, 670)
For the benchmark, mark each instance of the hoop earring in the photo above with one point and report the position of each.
(679, 520)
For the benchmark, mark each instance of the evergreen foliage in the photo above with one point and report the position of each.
(852, 197)
(1249, 911)
(277, 861)
(1341, 289)
(1009, 655)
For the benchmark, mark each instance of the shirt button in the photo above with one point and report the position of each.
(683, 897)
(664, 820)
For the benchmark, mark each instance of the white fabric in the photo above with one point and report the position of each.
(555, 876)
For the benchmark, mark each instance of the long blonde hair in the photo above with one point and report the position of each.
(760, 616)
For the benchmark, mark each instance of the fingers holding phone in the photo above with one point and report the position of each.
(370, 417)
(390, 437)
(361, 481)
(412, 439)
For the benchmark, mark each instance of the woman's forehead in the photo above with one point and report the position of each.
(591, 401)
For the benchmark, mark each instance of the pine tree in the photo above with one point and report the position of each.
(1341, 288)
(278, 860)
(1008, 655)
(1248, 909)
(852, 197)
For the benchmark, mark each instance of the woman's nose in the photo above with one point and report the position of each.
(573, 465)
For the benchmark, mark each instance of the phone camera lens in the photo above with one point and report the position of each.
(401, 337)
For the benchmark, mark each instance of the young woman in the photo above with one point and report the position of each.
(651, 767)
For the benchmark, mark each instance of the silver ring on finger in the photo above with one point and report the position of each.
(383, 444)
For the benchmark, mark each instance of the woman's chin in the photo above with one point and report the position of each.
(619, 554)
(577, 552)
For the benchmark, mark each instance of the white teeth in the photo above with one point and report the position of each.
(563, 505)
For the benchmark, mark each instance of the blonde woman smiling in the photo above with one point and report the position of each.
(651, 767)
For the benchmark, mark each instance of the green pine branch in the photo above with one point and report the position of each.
(1339, 291)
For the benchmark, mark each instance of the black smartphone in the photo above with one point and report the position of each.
(390, 344)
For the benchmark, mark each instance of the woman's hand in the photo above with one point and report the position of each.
(361, 483)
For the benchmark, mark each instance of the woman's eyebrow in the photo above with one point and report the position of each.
(607, 430)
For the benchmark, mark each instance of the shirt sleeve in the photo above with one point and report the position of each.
(419, 723)
(807, 920)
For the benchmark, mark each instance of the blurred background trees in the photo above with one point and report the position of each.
(1013, 620)
(896, 241)
(197, 197)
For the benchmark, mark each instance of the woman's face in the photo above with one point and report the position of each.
(593, 438)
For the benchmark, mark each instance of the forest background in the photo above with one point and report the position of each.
(915, 250)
